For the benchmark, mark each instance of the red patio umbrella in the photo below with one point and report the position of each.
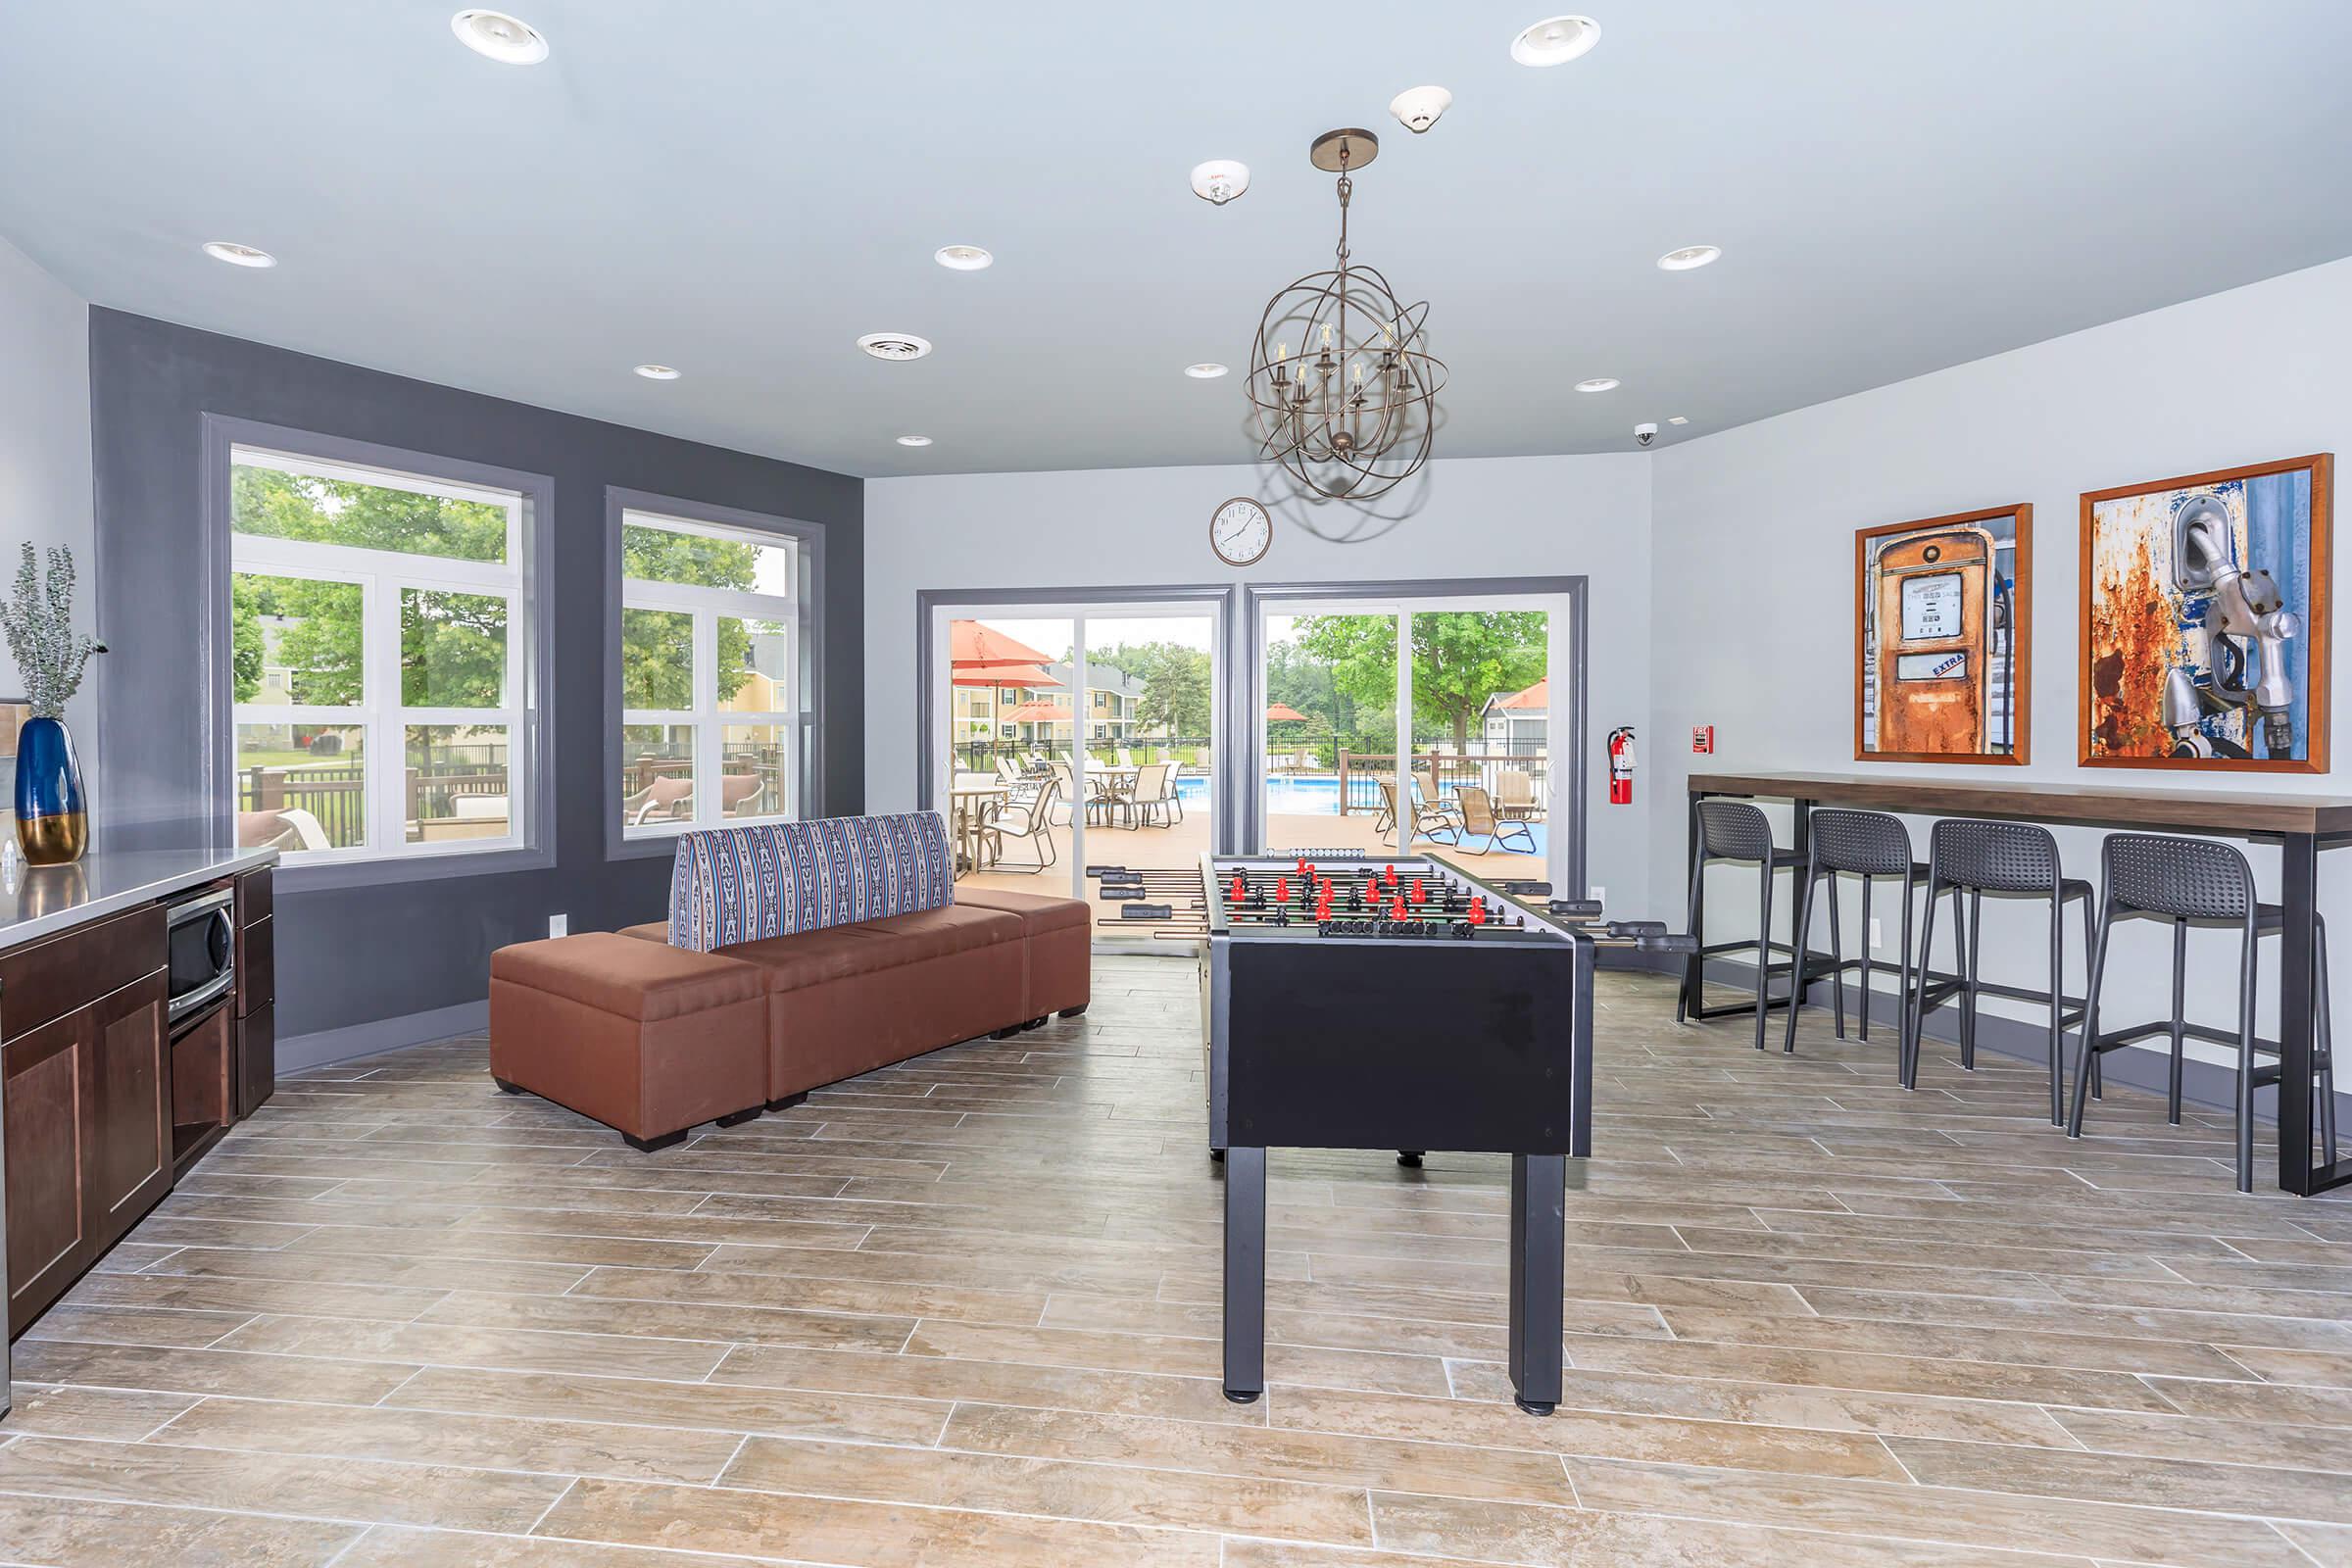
(1284, 714)
(1036, 711)
(975, 645)
(1004, 676)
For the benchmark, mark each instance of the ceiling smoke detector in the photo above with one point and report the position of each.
(895, 345)
(1220, 180)
(1555, 41)
(236, 254)
(509, 40)
(1418, 108)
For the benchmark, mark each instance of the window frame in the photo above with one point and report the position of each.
(802, 607)
(524, 581)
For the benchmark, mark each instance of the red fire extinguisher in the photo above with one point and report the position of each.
(1621, 766)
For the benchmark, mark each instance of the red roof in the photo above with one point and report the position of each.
(1536, 697)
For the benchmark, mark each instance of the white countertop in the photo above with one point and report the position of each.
(41, 900)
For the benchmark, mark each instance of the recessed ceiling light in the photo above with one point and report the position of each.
(962, 258)
(1688, 257)
(895, 345)
(509, 40)
(1678, 420)
(1205, 370)
(236, 255)
(1555, 41)
(1598, 383)
(657, 372)
(1219, 180)
(914, 440)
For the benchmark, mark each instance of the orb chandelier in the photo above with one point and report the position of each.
(1340, 377)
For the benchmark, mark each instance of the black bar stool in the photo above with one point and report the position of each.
(2196, 881)
(2008, 859)
(1869, 845)
(1736, 833)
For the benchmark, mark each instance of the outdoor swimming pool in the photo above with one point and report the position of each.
(1299, 795)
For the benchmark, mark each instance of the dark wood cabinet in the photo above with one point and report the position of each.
(87, 1110)
(103, 1099)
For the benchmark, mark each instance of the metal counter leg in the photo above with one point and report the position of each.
(1245, 1274)
(1539, 1279)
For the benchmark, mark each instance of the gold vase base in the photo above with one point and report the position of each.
(54, 839)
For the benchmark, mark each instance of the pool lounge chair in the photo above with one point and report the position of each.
(1479, 820)
(1438, 827)
(1515, 797)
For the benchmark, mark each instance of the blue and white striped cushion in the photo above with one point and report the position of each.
(745, 884)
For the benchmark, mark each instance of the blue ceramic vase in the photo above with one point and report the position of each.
(52, 826)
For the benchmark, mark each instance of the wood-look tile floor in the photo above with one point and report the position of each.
(964, 1311)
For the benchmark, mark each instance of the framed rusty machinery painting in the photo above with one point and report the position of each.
(1943, 615)
(2205, 620)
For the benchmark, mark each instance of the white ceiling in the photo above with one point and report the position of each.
(740, 188)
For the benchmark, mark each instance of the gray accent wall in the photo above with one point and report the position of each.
(352, 956)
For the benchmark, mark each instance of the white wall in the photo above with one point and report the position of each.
(45, 447)
(1483, 517)
(1752, 607)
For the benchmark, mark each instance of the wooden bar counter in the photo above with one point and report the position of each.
(2301, 826)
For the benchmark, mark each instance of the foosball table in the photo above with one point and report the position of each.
(1404, 1003)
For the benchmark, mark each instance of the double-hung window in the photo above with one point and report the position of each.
(710, 670)
(378, 660)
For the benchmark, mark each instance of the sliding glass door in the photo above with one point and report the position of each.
(1416, 725)
(1078, 735)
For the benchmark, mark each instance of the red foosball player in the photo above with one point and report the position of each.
(1478, 912)
(1396, 909)
(1282, 890)
(1389, 876)
(1420, 892)
(1239, 891)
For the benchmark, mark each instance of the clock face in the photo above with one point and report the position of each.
(1240, 532)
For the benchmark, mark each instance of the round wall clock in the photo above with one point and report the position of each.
(1240, 532)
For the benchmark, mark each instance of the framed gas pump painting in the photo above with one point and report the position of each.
(2205, 620)
(1943, 616)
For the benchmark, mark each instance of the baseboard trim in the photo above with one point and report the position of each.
(2206, 1085)
(328, 1046)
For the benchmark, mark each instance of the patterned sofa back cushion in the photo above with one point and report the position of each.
(744, 884)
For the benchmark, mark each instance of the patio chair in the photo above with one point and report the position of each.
(1066, 785)
(736, 788)
(667, 799)
(1017, 784)
(1430, 820)
(1515, 797)
(1385, 818)
(1479, 818)
(1154, 789)
(1126, 757)
(1028, 820)
(1432, 798)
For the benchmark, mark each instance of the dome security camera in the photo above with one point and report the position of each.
(1644, 434)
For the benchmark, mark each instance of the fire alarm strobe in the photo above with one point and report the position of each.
(1702, 738)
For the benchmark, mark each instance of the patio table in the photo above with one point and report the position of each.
(967, 806)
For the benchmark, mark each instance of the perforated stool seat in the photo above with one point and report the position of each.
(2006, 860)
(1869, 845)
(1736, 833)
(2199, 882)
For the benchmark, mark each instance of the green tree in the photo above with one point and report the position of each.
(655, 658)
(1175, 681)
(1460, 658)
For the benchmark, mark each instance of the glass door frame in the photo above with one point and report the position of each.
(1566, 669)
(935, 608)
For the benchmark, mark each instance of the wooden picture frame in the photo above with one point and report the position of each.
(2123, 665)
(1869, 545)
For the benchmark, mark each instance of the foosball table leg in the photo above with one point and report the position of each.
(1539, 1276)
(1411, 1158)
(1245, 1276)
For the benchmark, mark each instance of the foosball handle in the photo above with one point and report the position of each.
(1575, 908)
(1674, 942)
(1637, 928)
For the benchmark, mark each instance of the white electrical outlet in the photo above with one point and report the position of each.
(1877, 935)
(559, 925)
